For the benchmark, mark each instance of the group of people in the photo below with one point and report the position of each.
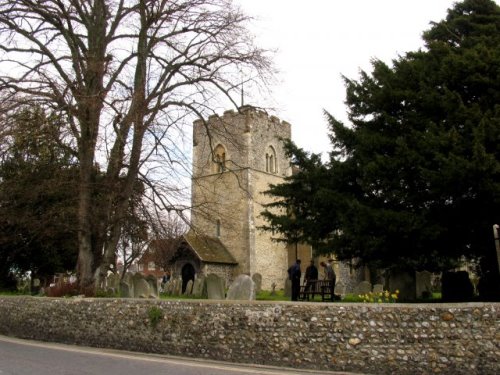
(294, 274)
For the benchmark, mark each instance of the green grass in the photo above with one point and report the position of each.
(265, 295)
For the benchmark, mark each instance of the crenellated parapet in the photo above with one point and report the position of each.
(253, 117)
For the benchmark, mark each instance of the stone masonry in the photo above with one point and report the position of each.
(366, 338)
(227, 202)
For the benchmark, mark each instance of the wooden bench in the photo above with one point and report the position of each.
(324, 288)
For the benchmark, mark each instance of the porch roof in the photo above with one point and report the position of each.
(209, 249)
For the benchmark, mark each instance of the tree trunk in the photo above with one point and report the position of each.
(85, 262)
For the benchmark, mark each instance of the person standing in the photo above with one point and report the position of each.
(329, 272)
(311, 277)
(295, 274)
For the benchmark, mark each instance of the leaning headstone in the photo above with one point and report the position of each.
(288, 287)
(177, 287)
(214, 287)
(189, 288)
(198, 286)
(242, 288)
(403, 281)
(363, 287)
(125, 290)
(257, 279)
(378, 288)
(128, 278)
(153, 286)
(423, 284)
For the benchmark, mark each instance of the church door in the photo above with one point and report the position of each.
(187, 274)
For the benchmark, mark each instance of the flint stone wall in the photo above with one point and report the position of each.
(367, 338)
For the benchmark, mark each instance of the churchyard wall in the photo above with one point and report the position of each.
(364, 338)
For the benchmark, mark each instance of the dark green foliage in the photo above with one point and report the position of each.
(155, 315)
(456, 287)
(414, 180)
(37, 198)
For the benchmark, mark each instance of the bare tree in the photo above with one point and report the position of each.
(124, 74)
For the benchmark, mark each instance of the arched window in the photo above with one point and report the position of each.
(271, 162)
(219, 159)
(217, 228)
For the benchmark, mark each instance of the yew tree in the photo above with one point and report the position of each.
(38, 229)
(413, 179)
(126, 76)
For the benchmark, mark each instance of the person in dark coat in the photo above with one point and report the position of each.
(295, 274)
(311, 277)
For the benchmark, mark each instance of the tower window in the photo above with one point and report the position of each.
(271, 162)
(219, 159)
(217, 228)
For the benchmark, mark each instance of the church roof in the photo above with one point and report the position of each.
(209, 249)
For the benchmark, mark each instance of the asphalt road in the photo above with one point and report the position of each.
(24, 357)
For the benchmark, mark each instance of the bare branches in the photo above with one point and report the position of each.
(129, 76)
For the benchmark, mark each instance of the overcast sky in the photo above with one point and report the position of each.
(319, 40)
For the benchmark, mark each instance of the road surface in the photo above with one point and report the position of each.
(24, 357)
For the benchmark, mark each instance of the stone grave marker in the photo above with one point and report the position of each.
(153, 285)
(288, 287)
(198, 286)
(125, 290)
(423, 284)
(405, 283)
(141, 286)
(378, 288)
(189, 288)
(177, 288)
(339, 289)
(242, 288)
(257, 279)
(142, 289)
(214, 287)
(363, 287)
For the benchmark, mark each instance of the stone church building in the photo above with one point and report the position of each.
(235, 158)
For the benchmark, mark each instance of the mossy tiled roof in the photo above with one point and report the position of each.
(209, 249)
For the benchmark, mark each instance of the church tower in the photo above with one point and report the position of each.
(235, 158)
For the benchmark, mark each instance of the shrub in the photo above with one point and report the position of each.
(155, 314)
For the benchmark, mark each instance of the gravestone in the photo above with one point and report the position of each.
(423, 284)
(214, 287)
(198, 286)
(113, 281)
(404, 281)
(142, 289)
(364, 287)
(127, 278)
(257, 279)
(242, 288)
(177, 287)
(339, 289)
(125, 290)
(288, 287)
(189, 288)
(141, 286)
(153, 285)
(378, 288)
